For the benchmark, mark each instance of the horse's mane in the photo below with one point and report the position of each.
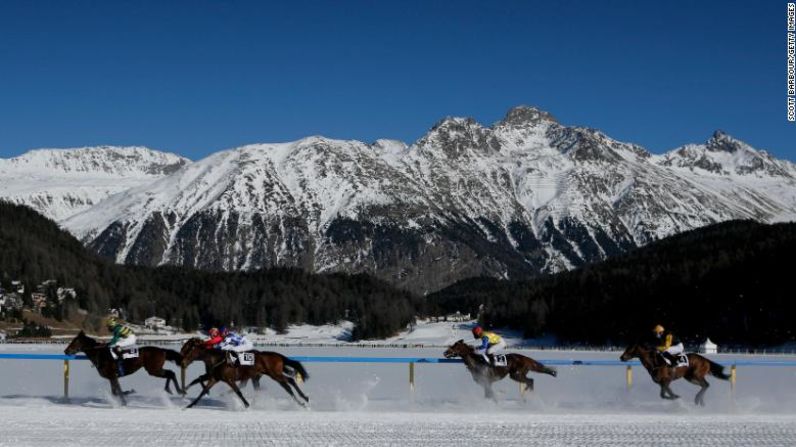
(91, 342)
(461, 342)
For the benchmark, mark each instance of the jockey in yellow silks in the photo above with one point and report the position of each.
(491, 343)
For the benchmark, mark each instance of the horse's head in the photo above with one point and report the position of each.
(633, 351)
(81, 342)
(191, 350)
(458, 349)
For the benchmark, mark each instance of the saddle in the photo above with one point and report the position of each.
(126, 353)
(130, 353)
(679, 360)
(241, 358)
(496, 360)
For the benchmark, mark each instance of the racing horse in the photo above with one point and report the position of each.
(210, 357)
(281, 369)
(517, 367)
(150, 358)
(663, 374)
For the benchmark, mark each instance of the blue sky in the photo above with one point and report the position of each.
(195, 77)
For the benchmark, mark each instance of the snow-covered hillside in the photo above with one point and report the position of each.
(523, 196)
(61, 182)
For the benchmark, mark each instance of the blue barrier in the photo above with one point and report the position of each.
(414, 360)
(43, 357)
(332, 359)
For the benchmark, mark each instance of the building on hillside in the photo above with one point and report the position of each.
(42, 288)
(154, 323)
(2, 337)
(708, 347)
(65, 292)
(39, 301)
(18, 286)
(456, 317)
(10, 301)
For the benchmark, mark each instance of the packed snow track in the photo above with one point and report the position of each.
(82, 426)
(372, 405)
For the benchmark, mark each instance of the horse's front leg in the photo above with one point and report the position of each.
(205, 389)
(116, 389)
(671, 393)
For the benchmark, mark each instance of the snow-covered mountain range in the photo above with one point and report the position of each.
(61, 182)
(523, 196)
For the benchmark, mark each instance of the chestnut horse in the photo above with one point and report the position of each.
(150, 357)
(517, 367)
(274, 365)
(663, 374)
(210, 357)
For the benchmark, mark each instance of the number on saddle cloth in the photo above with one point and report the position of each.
(682, 360)
(130, 353)
(246, 358)
(500, 360)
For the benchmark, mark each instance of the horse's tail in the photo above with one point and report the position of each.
(297, 367)
(717, 370)
(549, 370)
(173, 356)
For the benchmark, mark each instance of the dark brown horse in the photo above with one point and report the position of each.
(517, 367)
(281, 369)
(210, 357)
(149, 357)
(663, 374)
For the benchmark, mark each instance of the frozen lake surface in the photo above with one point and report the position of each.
(371, 404)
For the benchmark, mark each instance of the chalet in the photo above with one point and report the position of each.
(39, 301)
(18, 286)
(154, 322)
(10, 301)
(65, 293)
(456, 317)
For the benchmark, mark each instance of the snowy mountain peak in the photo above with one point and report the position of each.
(112, 160)
(525, 116)
(524, 196)
(725, 155)
(721, 141)
(61, 182)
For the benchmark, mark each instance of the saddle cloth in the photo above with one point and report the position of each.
(242, 358)
(500, 360)
(130, 353)
(246, 358)
(681, 360)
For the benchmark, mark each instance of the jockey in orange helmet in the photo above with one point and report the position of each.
(491, 343)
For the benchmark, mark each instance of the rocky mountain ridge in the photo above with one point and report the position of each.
(524, 196)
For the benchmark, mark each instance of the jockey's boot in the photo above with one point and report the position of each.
(486, 359)
(671, 359)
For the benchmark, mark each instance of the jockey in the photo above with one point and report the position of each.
(669, 345)
(235, 342)
(123, 336)
(215, 338)
(491, 343)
